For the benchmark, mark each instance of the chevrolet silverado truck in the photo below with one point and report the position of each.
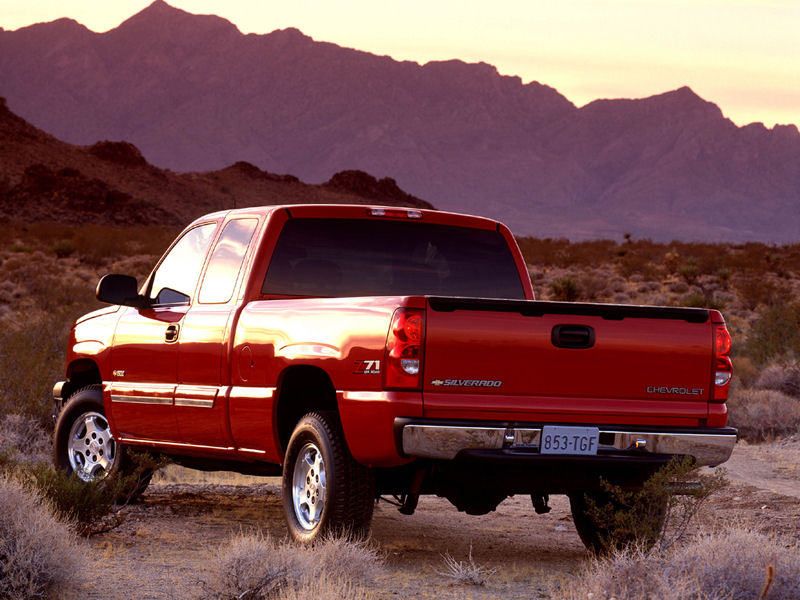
(366, 352)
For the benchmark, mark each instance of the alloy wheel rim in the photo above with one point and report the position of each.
(308, 486)
(92, 450)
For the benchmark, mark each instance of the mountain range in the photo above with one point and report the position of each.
(45, 179)
(194, 94)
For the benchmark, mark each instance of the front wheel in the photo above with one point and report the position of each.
(324, 489)
(83, 444)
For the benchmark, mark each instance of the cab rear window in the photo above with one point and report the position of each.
(361, 257)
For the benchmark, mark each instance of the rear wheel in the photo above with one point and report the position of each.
(324, 489)
(84, 445)
(603, 523)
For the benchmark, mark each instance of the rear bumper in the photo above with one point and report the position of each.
(447, 440)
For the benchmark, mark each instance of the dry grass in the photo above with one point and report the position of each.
(466, 572)
(23, 439)
(39, 556)
(252, 567)
(731, 565)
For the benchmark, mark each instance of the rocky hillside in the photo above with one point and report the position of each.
(194, 93)
(45, 179)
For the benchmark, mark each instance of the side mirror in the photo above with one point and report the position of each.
(120, 289)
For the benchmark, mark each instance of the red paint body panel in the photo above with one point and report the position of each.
(603, 384)
(215, 389)
(368, 422)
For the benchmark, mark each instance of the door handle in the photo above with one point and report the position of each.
(171, 334)
(572, 336)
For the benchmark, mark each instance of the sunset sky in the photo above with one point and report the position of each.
(743, 55)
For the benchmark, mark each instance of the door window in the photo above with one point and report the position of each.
(226, 261)
(175, 279)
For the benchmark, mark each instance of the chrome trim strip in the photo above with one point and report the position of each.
(133, 440)
(446, 441)
(252, 393)
(369, 396)
(141, 399)
(195, 402)
(196, 396)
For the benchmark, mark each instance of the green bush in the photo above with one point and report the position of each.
(654, 514)
(775, 334)
(31, 361)
(701, 300)
(565, 289)
(64, 248)
(92, 506)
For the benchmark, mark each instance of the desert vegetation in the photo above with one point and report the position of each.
(48, 273)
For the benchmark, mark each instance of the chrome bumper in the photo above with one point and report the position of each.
(446, 441)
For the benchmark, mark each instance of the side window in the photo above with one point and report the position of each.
(176, 277)
(226, 261)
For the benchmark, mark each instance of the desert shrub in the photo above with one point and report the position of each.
(255, 566)
(39, 556)
(774, 334)
(64, 248)
(565, 289)
(563, 253)
(654, 516)
(94, 244)
(745, 373)
(762, 415)
(94, 506)
(756, 290)
(702, 300)
(31, 361)
(731, 565)
(723, 276)
(592, 286)
(632, 264)
(783, 376)
(688, 271)
(23, 439)
(86, 504)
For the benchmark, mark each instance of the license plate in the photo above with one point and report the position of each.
(568, 440)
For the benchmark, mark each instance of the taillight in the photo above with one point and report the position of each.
(723, 369)
(404, 345)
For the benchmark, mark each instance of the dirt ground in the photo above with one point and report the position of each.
(164, 544)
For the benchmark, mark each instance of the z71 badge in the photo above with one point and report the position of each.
(367, 367)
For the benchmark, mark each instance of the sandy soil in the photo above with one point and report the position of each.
(164, 543)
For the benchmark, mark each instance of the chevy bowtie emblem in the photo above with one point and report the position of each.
(437, 382)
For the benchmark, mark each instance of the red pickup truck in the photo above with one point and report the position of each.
(362, 352)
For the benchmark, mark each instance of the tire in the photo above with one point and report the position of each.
(83, 444)
(601, 538)
(325, 491)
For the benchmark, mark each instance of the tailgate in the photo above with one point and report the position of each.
(566, 362)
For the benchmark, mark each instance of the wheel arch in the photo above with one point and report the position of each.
(81, 372)
(301, 389)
